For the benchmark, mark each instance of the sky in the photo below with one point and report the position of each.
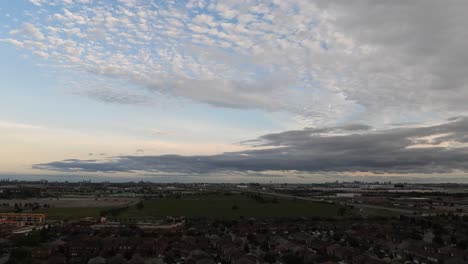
(244, 90)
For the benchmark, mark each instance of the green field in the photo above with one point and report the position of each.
(212, 206)
(222, 207)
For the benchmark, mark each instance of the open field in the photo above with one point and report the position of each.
(231, 206)
(71, 207)
(212, 206)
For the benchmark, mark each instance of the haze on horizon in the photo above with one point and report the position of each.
(281, 90)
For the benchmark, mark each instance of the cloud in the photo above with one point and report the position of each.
(159, 132)
(14, 42)
(439, 148)
(33, 31)
(36, 2)
(110, 95)
(15, 125)
(42, 54)
(324, 61)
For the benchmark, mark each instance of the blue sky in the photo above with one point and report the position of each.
(35, 93)
(100, 80)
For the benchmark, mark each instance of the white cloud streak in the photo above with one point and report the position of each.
(15, 125)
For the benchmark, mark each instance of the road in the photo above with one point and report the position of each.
(360, 206)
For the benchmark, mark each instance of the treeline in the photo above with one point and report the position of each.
(261, 199)
(112, 212)
(116, 211)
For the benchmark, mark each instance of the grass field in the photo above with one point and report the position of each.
(212, 206)
(232, 206)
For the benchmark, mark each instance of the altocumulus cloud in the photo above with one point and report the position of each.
(353, 148)
(322, 60)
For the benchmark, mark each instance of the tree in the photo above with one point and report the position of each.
(341, 211)
(140, 205)
(462, 244)
(270, 258)
(170, 257)
(292, 259)
(264, 246)
(246, 248)
(438, 240)
(20, 255)
(252, 238)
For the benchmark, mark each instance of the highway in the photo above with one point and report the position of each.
(359, 206)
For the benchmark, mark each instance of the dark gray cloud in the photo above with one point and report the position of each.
(410, 62)
(381, 151)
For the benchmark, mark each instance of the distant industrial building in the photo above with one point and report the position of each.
(347, 195)
(22, 219)
(10, 191)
